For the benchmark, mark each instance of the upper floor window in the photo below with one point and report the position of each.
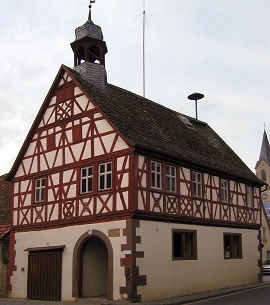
(197, 184)
(250, 197)
(105, 176)
(232, 245)
(263, 175)
(40, 190)
(170, 178)
(184, 244)
(76, 133)
(224, 190)
(87, 180)
(51, 141)
(156, 174)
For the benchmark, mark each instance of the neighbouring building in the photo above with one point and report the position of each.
(117, 196)
(263, 172)
(5, 226)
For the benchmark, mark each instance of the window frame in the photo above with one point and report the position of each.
(88, 177)
(184, 255)
(172, 179)
(156, 174)
(106, 174)
(250, 197)
(232, 253)
(263, 175)
(51, 142)
(224, 191)
(40, 190)
(197, 186)
(76, 133)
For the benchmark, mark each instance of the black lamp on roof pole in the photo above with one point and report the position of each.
(195, 97)
(90, 7)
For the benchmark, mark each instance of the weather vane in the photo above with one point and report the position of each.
(90, 8)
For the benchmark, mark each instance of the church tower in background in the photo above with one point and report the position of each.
(263, 171)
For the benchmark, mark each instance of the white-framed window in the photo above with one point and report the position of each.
(87, 180)
(156, 175)
(170, 178)
(105, 176)
(224, 190)
(250, 197)
(197, 184)
(40, 190)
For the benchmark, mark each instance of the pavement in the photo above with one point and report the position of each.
(171, 301)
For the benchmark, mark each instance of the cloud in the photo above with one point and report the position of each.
(219, 48)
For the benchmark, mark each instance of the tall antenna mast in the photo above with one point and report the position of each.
(144, 17)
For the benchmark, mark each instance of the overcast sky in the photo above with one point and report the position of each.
(220, 48)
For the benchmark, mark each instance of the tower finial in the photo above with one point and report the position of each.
(90, 8)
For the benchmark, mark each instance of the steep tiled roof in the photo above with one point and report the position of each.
(157, 129)
(5, 201)
(4, 230)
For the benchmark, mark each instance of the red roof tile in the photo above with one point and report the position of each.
(5, 202)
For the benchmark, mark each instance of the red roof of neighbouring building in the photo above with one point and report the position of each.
(5, 204)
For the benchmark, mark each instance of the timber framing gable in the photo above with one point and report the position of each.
(49, 117)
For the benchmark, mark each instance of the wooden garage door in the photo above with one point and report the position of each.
(45, 274)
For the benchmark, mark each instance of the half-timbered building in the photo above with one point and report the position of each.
(115, 195)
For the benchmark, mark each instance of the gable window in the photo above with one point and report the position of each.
(224, 190)
(170, 178)
(232, 246)
(87, 180)
(51, 141)
(39, 190)
(76, 133)
(156, 174)
(105, 176)
(250, 197)
(184, 244)
(197, 184)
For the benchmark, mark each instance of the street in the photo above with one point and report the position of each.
(260, 295)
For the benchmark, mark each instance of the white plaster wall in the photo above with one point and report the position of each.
(65, 236)
(168, 278)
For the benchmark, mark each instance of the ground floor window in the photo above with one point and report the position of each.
(232, 245)
(184, 244)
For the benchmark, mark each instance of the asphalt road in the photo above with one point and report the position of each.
(256, 296)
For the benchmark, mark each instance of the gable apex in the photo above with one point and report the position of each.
(55, 107)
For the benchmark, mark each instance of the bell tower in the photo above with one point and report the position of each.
(263, 166)
(89, 50)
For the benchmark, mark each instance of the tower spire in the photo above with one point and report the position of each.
(265, 150)
(89, 50)
(90, 10)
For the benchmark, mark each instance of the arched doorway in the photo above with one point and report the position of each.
(93, 266)
(94, 269)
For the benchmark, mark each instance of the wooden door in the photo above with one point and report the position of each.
(44, 275)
